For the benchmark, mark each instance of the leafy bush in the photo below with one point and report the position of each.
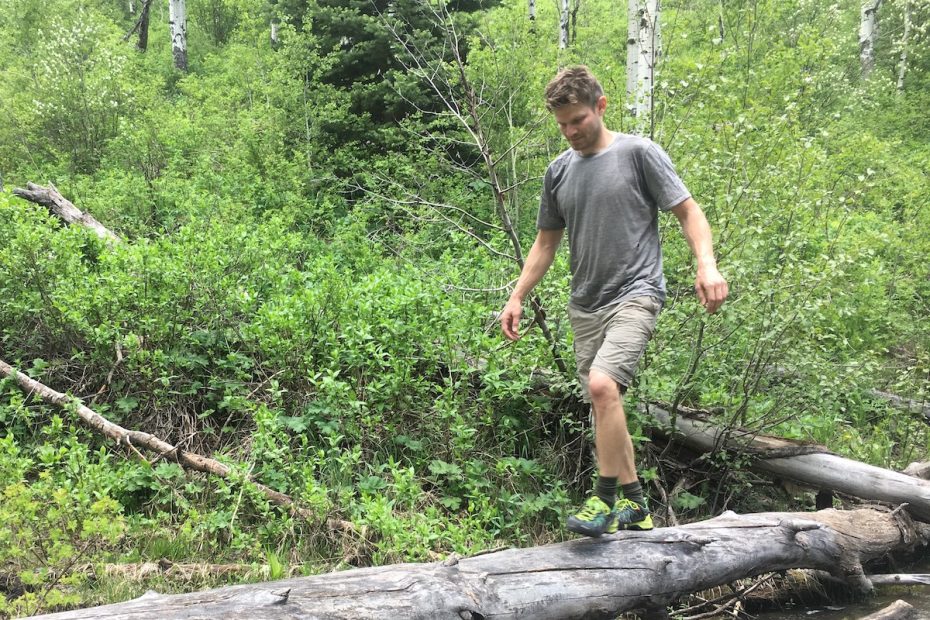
(57, 518)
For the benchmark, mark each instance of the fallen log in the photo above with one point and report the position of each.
(910, 405)
(899, 610)
(919, 470)
(900, 580)
(812, 466)
(140, 571)
(587, 578)
(64, 209)
(163, 450)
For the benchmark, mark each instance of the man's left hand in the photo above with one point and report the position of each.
(711, 288)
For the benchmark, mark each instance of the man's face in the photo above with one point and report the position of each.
(582, 125)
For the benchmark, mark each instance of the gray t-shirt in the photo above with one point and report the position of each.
(610, 204)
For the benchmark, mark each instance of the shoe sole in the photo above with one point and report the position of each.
(639, 526)
(579, 527)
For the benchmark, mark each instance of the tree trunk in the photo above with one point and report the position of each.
(532, 11)
(812, 466)
(634, 17)
(63, 208)
(143, 42)
(902, 66)
(274, 33)
(576, 6)
(649, 54)
(563, 26)
(587, 578)
(867, 34)
(177, 20)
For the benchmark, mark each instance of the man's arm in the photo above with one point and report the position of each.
(535, 267)
(709, 285)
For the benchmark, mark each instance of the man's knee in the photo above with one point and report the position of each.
(602, 386)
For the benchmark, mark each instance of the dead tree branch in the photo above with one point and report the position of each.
(138, 439)
(64, 209)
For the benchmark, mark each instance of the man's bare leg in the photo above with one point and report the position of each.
(615, 457)
(611, 436)
(602, 513)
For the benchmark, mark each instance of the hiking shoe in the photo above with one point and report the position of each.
(630, 516)
(594, 518)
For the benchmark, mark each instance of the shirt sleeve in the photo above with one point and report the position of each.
(664, 184)
(549, 217)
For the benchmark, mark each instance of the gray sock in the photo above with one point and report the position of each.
(634, 492)
(606, 489)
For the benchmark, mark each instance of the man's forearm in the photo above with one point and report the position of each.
(536, 265)
(697, 233)
(711, 287)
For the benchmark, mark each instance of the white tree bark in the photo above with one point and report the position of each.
(650, 49)
(532, 10)
(633, 17)
(274, 32)
(643, 46)
(563, 26)
(902, 65)
(868, 32)
(177, 21)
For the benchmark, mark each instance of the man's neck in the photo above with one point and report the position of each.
(604, 140)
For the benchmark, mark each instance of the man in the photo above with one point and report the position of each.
(607, 190)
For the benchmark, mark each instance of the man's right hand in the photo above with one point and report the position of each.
(510, 318)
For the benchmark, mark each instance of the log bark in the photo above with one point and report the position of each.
(182, 572)
(901, 403)
(899, 610)
(900, 580)
(587, 578)
(812, 466)
(138, 439)
(918, 470)
(63, 208)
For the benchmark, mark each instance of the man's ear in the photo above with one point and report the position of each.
(601, 104)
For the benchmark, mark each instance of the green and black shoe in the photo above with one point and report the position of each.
(594, 518)
(630, 516)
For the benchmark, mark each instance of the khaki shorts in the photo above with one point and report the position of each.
(613, 339)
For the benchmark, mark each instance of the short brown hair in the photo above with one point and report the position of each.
(573, 85)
